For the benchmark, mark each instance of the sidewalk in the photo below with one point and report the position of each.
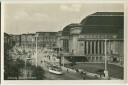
(92, 75)
(117, 64)
(89, 74)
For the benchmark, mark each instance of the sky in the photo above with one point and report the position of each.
(49, 17)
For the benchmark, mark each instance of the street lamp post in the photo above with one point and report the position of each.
(36, 51)
(25, 65)
(63, 61)
(106, 60)
(26, 68)
(61, 57)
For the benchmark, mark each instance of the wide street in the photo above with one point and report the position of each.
(70, 75)
(43, 61)
(66, 76)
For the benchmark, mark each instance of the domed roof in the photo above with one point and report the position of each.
(99, 22)
(66, 30)
(104, 18)
(103, 22)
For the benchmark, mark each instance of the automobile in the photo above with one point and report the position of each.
(100, 72)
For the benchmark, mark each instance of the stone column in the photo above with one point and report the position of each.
(87, 47)
(91, 58)
(90, 47)
(102, 47)
(94, 47)
(109, 47)
(98, 47)
(114, 47)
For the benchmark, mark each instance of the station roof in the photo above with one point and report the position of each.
(99, 22)
(104, 18)
(66, 30)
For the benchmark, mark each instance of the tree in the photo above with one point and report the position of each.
(38, 73)
(13, 69)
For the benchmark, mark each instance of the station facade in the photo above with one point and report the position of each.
(88, 38)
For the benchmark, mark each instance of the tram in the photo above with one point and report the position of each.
(55, 70)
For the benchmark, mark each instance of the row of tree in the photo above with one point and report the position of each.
(13, 68)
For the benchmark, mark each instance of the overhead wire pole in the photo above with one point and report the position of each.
(36, 50)
(25, 49)
(63, 58)
(60, 57)
(106, 60)
(26, 68)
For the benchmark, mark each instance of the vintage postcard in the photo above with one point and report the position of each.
(59, 40)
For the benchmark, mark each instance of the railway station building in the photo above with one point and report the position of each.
(86, 41)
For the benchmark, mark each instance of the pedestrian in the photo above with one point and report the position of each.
(84, 77)
(67, 70)
(77, 70)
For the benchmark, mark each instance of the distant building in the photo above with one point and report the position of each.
(16, 39)
(86, 40)
(47, 39)
(8, 41)
(44, 39)
(8, 44)
(59, 42)
(28, 40)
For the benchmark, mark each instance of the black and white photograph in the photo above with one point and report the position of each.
(63, 41)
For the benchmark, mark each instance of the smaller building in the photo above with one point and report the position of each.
(46, 39)
(16, 39)
(27, 40)
(8, 41)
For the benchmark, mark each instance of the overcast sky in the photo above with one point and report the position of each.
(30, 18)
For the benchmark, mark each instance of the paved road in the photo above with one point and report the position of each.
(114, 70)
(65, 76)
